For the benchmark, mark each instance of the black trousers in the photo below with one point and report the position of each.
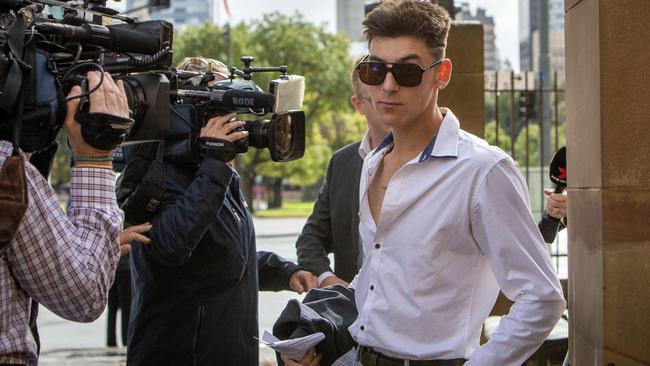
(119, 297)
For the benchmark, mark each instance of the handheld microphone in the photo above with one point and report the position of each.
(557, 171)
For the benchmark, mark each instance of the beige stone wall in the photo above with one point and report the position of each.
(464, 94)
(608, 147)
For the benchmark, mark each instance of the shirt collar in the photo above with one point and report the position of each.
(364, 147)
(443, 144)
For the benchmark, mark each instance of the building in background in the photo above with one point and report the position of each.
(529, 36)
(181, 13)
(489, 39)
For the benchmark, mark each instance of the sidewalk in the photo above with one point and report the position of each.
(268, 228)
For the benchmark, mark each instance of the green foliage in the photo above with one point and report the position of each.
(491, 136)
(288, 209)
(61, 164)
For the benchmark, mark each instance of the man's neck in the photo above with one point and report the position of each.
(375, 137)
(412, 139)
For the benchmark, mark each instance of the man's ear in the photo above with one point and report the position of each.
(444, 74)
(356, 103)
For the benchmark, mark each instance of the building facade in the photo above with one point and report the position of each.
(490, 51)
(529, 28)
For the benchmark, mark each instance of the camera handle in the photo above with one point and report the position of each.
(247, 72)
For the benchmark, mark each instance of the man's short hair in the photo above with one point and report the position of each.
(416, 18)
(202, 64)
(356, 82)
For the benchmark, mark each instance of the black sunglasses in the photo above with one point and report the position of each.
(408, 75)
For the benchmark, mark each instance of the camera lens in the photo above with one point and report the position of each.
(283, 135)
(258, 134)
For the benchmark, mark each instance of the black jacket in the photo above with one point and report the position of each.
(195, 285)
(333, 226)
(330, 310)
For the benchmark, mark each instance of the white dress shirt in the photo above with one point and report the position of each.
(455, 226)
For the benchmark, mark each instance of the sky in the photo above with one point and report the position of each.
(505, 13)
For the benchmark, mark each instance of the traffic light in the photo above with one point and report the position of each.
(527, 103)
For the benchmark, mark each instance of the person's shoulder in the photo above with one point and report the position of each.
(349, 148)
(479, 151)
(347, 151)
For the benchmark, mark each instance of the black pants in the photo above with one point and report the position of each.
(119, 297)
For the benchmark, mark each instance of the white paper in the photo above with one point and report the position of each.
(295, 348)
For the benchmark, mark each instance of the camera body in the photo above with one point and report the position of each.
(42, 58)
(283, 134)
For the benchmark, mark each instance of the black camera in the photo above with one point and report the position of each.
(42, 58)
(283, 134)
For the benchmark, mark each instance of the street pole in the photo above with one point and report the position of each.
(545, 76)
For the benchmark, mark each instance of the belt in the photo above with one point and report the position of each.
(369, 357)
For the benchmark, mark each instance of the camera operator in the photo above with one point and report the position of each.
(196, 284)
(65, 262)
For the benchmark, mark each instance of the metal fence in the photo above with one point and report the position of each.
(525, 117)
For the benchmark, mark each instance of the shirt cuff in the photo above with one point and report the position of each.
(92, 187)
(323, 276)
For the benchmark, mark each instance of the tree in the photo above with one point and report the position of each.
(308, 50)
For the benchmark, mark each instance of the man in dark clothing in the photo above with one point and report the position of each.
(195, 285)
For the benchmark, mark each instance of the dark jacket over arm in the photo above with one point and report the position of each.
(181, 225)
(274, 271)
(330, 310)
(333, 226)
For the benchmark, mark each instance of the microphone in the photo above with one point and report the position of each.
(557, 171)
(234, 98)
(106, 36)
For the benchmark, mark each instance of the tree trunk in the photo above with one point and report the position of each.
(275, 193)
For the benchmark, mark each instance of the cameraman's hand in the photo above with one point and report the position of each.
(133, 233)
(109, 98)
(219, 127)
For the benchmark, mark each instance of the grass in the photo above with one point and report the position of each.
(288, 209)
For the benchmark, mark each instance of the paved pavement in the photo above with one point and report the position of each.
(73, 344)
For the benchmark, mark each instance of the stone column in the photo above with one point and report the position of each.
(608, 147)
(465, 92)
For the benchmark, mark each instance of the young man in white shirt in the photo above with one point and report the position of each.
(445, 218)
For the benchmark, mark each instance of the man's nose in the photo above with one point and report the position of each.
(389, 85)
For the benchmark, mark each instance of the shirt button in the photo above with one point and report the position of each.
(377, 245)
(362, 328)
(372, 287)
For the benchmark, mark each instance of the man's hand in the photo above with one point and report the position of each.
(220, 127)
(333, 280)
(109, 98)
(134, 233)
(311, 359)
(556, 204)
(303, 281)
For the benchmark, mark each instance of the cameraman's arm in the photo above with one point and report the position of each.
(180, 226)
(67, 263)
(274, 271)
(177, 230)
